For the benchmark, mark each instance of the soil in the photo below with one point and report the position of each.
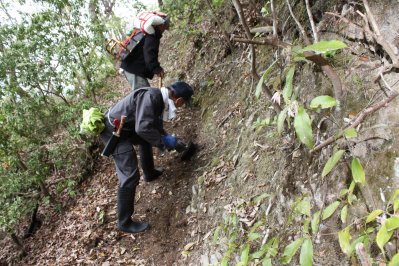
(85, 232)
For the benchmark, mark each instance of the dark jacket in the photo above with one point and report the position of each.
(143, 109)
(143, 61)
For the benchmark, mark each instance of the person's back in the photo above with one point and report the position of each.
(142, 63)
(143, 60)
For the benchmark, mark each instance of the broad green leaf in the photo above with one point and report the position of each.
(306, 257)
(290, 250)
(245, 255)
(315, 222)
(332, 162)
(287, 91)
(395, 205)
(392, 223)
(280, 120)
(253, 236)
(350, 133)
(327, 212)
(323, 47)
(267, 262)
(344, 214)
(383, 236)
(303, 127)
(371, 217)
(394, 261)
(303, 207)
(324, 101)
(262, 79)
(357, 171)
(344, 238)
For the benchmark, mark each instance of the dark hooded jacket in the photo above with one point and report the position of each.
(143, 109)
(143, 60)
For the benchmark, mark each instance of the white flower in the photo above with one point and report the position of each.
(277, 97)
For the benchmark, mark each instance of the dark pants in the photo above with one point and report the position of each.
(125, 158)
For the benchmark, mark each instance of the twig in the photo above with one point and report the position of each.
(275, 33)
(301, 29)
(315, 35)
(240, 13)
(356, 121)
(269, 41)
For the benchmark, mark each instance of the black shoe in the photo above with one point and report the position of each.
(125, 211)
(156, 173)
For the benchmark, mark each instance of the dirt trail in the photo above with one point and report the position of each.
(84, 232)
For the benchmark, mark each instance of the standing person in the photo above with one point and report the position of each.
(142, 63)
(144, 108)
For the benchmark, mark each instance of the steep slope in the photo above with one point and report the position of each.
(250, 192)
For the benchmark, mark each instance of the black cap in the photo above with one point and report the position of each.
(182, 89)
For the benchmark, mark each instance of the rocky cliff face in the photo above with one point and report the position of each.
(260, 187)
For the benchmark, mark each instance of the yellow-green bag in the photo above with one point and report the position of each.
(93, 122)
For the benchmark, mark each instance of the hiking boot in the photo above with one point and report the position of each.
(156, 173)
(125, 211)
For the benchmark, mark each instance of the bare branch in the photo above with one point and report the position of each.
(301, 29)
(356, 121)
(275, 32)
(240, 13)
(315, 35)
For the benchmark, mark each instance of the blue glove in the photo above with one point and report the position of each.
(169, 141)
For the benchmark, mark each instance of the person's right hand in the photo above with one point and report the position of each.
(169, 141)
